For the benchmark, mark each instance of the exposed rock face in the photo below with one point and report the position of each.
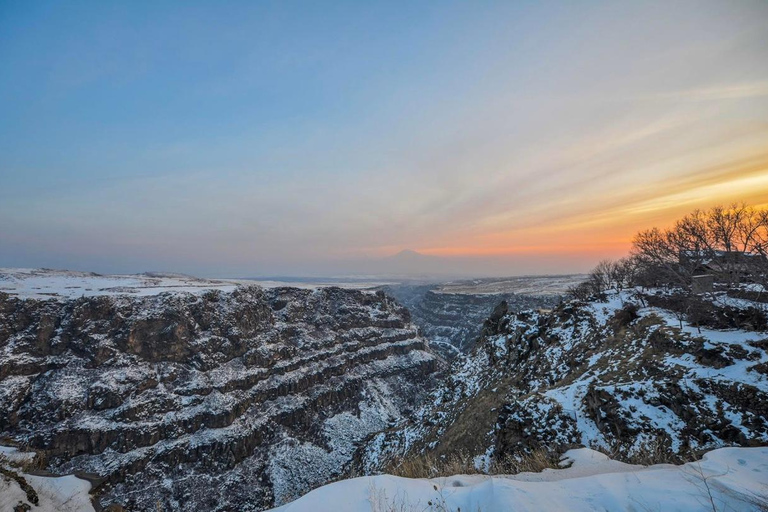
(452, 321)
(214, 401)
(630, 377)
(613, 375)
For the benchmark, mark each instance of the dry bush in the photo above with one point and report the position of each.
(757, 501)
(653, 451)
(461, 463)
(536, 461)
(38, 462)
(428, 466)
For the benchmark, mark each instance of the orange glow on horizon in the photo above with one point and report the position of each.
(474, 252)
(607, 228)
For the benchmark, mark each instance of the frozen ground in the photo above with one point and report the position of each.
(68, 284)
(40, 493)
(725, 479)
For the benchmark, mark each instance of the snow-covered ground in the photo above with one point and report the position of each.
(28, 283)
(41, 493)
(725, 479)
(13, 455)
(68, 284)
(39, 283)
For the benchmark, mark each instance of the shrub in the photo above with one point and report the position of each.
(461, 463)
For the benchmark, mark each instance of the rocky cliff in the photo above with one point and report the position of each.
(207, 401)
(617, 375)
(452, 321)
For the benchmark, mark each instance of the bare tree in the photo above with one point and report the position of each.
(659, 253)
(728, 242)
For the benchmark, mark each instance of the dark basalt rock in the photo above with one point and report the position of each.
(616, 376)
(197, 391)
(603, 408)
(453, 322)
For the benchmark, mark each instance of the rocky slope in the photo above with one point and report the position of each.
(615, 375)
(452, 321)
(209, 401)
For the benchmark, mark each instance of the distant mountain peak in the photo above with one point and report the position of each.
(409, 253)
(410, 262)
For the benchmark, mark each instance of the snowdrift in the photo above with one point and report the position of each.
(725, 479)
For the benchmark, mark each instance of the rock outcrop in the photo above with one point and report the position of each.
(208, 401)
(613, 375)
(453, 321)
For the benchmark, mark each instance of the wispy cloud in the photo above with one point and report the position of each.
(722, 92)
(269, 138)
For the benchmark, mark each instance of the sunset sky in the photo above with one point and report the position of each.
(299, 138)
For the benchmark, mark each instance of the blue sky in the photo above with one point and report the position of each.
(251, 138)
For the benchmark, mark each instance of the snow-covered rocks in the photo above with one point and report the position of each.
(21, 491)
(246, 399)
(624, 377)
(615, 375)
(451, 316)
(209, 400)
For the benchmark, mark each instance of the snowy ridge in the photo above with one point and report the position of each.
(725, 479)
(696, 388)
(551, 285)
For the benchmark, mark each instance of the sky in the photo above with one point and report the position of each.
(313, 138)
